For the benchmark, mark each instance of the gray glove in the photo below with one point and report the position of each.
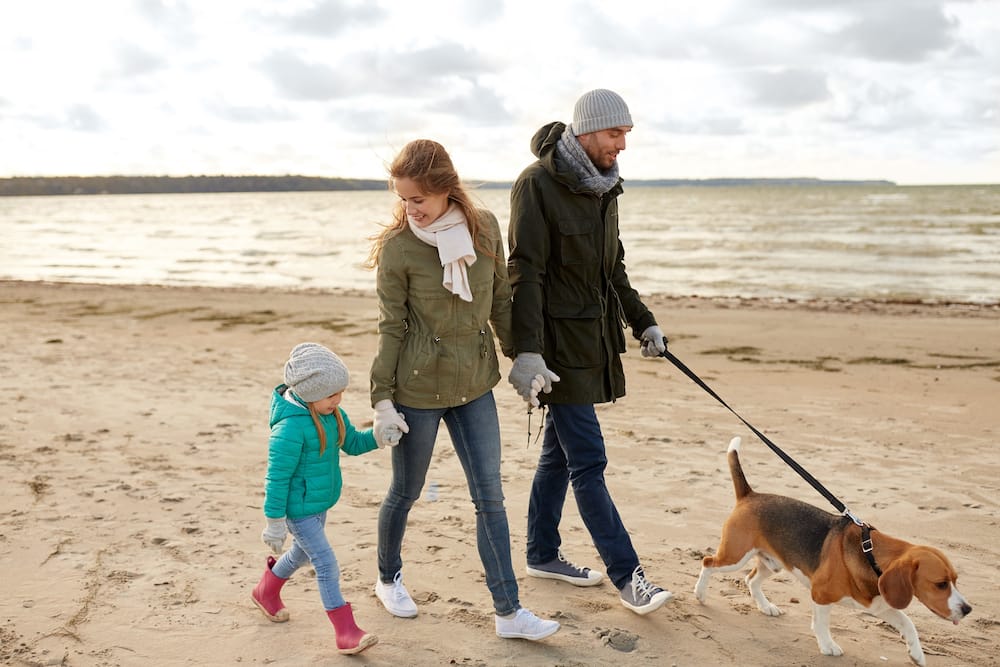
(274, 534)
(654, 343)
(388, 425)
(529, 375)
(391, 435)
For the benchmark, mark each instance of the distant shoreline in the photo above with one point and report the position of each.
(35, 186)
(925, 307)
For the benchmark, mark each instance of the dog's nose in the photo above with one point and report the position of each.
(966, 609)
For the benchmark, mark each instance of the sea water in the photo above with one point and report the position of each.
(934, 244)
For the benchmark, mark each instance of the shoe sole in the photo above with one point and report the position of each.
(397, 614)
(532, 638)
(366, 642)
(280, 617)
(652, 606)
(576, 581)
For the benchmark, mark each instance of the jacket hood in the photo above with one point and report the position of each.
(282, 408)
(543, 144)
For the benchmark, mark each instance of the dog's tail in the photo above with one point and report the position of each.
(740, 484)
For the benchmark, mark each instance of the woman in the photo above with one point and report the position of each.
(442, 292)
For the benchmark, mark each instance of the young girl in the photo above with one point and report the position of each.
(303, 481)
(442, 292)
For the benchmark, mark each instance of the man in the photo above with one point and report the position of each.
(572, 299)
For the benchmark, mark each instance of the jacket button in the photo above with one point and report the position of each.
(416, 372)
(463, 399)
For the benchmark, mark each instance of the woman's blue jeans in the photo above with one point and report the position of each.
(309, 545)
(573, 452)
(475, 434)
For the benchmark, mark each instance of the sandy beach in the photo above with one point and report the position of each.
(133, 442)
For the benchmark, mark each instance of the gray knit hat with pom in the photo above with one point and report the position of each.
(598, 110)
(313, 372)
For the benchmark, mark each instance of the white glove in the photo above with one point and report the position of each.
(654, 343)
(388, 424)
(391, 435)
(274, 534)
(529, 375)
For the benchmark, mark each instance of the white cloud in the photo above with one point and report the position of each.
(904, 90)
(788, 88)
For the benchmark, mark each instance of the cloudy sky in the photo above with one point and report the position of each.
(905, 90)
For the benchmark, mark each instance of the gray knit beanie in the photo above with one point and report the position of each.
(598, 110)
(313, 372)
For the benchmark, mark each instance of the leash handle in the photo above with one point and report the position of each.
(767, 441)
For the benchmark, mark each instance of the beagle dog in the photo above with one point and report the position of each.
(824, 551)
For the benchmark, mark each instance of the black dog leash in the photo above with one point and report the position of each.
(866, 540)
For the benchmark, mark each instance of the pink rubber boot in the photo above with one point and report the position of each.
(350, 638)
(267, 594)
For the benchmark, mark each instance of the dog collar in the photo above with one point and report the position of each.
(867, 547)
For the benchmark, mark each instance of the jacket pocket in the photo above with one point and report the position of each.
(576, 331)
(418, 365)
(577, 244)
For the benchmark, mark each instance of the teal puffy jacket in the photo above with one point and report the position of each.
(299, 481)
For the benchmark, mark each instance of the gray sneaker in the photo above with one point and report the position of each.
(563, 570)
(641, 596)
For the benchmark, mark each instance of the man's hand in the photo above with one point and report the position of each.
(653, 343)
(529, 375)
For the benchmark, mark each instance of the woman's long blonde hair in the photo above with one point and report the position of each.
(429, 166)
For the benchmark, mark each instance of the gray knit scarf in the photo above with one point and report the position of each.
(571, 157)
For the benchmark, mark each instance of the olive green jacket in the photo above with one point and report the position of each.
(434, 349)
(572, 296)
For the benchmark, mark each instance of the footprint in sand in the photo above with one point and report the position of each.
(619, 640)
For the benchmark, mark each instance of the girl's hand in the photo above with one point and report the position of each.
(274, 534)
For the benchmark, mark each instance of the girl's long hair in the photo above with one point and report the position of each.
(342, 432)
(429, 166)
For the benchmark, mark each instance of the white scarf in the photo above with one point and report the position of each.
(450, 235)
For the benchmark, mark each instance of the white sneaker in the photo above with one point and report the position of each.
(525, 625)
(395, 598)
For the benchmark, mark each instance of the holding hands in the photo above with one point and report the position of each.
(530, 375)
(389, 424)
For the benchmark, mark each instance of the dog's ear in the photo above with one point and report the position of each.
(896, 584)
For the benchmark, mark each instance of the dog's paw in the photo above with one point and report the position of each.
(918, 658)
(830, 648)
(768, 608)
(701, 588)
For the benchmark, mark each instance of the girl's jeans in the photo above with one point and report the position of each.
(475, 434)
(309, 545)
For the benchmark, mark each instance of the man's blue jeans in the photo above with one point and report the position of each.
(573, 453)
(475, 434)
(309, 545)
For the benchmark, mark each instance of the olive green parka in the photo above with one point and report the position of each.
(435, 349)
(572, 296)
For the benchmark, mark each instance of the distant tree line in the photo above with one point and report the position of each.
(743, 182)
(124, 185)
